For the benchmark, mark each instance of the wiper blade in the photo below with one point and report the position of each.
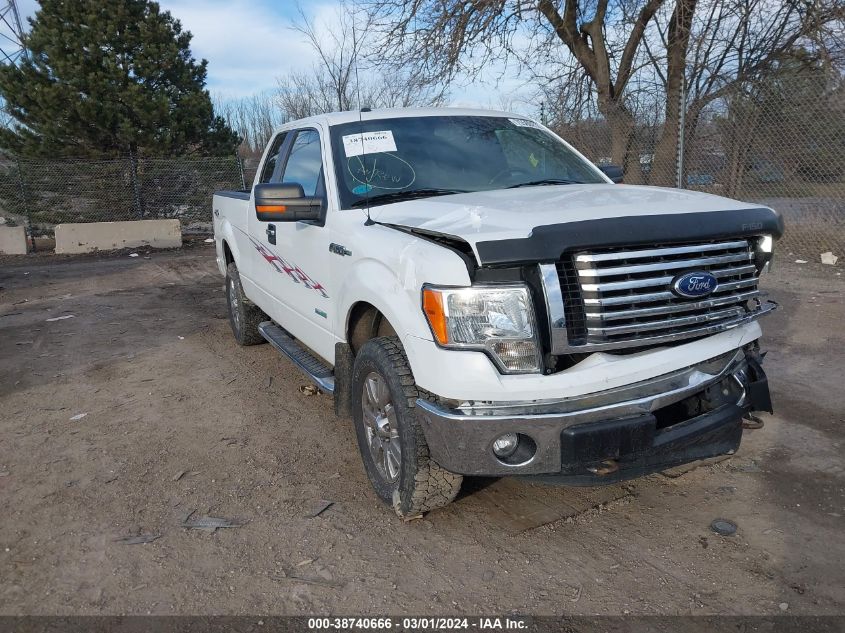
(398, 196)
(546, 181)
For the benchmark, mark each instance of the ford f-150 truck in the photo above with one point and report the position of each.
(481, 299)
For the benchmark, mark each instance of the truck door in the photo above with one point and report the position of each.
(246, 246)
(291, 259)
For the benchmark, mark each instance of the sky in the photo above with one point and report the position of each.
(249, 43)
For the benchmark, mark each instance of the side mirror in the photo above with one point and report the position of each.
(614, 172)
(285, 202)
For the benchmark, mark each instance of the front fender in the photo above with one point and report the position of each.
(393, 283)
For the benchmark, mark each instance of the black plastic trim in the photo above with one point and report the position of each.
(547, 243)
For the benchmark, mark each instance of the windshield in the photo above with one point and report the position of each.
(388, 160)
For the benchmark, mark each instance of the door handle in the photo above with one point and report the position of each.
(271, 233)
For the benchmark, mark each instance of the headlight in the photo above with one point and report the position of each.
(763, 247)
(497, 320)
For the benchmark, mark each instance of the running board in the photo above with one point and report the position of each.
(317, 370)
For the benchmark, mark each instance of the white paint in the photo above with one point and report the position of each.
(368, 143)
(388, 268)
(78, 417)
(504, 214)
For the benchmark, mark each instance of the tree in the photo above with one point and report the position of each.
(622, 60)
(254, 118)
(441, 38)
(109, 77)
(343, 79)
(731, 47)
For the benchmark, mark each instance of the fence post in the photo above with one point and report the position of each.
(136, 187)
(25, 204)
(241, 170)
(679, 161)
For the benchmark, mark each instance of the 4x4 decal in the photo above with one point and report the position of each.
(293, 271)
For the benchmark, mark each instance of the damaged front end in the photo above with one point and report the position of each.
(604, 437)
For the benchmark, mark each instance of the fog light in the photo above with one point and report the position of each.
(505, 445)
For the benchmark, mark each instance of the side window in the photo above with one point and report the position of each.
(272, 158)
(305, 163)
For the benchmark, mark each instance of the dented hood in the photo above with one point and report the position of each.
(537, 223)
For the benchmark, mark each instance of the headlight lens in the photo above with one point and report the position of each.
(498, 320)
(763, 249)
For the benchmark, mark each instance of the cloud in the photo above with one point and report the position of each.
(247, 45)
(250, 43)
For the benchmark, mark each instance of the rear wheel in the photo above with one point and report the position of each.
(392, 443)
(244, 316)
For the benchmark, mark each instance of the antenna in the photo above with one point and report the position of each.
(369, 221)
(12, 47)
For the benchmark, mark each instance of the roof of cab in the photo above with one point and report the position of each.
(337, 118)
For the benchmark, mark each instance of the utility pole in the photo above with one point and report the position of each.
(12, 47)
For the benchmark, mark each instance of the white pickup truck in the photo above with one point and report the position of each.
(480, 299)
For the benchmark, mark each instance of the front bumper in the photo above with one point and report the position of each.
(607, 436)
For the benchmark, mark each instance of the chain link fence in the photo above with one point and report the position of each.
(43, 193)
(781, 145)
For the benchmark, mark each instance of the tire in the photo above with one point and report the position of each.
(244, 316)
(383, 409)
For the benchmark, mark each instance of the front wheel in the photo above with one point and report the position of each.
(392, 443)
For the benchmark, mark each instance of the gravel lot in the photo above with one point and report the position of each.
(179, 420)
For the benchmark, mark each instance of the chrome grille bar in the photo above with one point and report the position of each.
(620, 298)
(671, 308)
(666, 324)
(661, 252)
(666, 296)
(675, 264)
(660, 281)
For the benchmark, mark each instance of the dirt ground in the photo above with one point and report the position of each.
(178, 419)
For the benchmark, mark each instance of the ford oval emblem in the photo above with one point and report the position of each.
(694, 285)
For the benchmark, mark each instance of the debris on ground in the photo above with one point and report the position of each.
(783, 606)
(209, 240)
(269, 382)
(61, 318)
(829, 258)
(752, 422)
(78, 417)
(800, 261)
(308, 390)
(210, 524)
(723, 527)
(133, 254)
(305, 562)
(178, 475)
(322, 506)
(282, 576)
(139, 539)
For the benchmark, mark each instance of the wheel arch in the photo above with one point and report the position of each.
(364, 321)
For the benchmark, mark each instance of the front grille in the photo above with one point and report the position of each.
(622, 297)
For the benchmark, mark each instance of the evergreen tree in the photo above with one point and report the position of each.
(108, 78)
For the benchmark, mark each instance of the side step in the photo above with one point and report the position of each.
(317, 370)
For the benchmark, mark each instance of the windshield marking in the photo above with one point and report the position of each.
(382, 175)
